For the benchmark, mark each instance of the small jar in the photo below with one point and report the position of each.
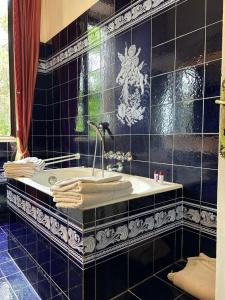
(161, 177)
(156, 176)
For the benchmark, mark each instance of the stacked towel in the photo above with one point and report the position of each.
(74, 191)
(26, 167)
(197, 278)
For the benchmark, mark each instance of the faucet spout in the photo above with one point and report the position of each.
(98, 131)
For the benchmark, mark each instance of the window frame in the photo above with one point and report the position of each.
(12, 136)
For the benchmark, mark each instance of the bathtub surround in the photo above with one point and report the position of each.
(135, 239)
(73, 248)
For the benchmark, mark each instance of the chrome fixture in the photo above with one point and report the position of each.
(128, 156)
(118, 167)
(52, 180)
(121, 156)
(99, 133)
(60, 159)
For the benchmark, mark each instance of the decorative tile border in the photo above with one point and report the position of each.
(137, 225)
(118, 23)
(140, 227)
(2, 177)
(52, 225)
(109, 238)
(86, 246)
(200, 217)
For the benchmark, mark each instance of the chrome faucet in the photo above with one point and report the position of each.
(118, 167)
(99, 133)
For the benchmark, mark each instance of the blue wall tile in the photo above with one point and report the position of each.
(188, 149)
(190, 49)
(178, 133)
(161, 148)
(197, 19)
(163, 57)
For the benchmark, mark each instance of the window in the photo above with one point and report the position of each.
(93, 83)
(6, 94)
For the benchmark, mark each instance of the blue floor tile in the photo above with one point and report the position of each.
(4, 246)
(5, 228)
(59, 297)
(1, 274)
(6, 291)
(27, 293)
(127, 296)
(18, 281)
(16, 253)
(3, 237)
(157, 288)
(4, 257)
(9, 268)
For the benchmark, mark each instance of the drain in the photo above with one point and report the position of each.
(52, 180)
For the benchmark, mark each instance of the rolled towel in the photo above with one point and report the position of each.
(78, 199)
(71, 183)
(85, 187)
(197, 278)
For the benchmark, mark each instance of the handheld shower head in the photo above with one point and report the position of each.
(97, 129)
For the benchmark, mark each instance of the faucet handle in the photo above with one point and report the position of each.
(106, 155)
(118, 167)
(128, 156)
(109, 155)
(119, 155)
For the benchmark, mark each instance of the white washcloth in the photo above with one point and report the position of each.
(77, 199)
(76, 182)
(197, 278)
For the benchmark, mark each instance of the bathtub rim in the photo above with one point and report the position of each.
(162, 188)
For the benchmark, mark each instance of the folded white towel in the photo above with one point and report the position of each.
(74, 183)
(19, 174)
(86, 187)
(29, 162)
(26, 167)
(67, 205)
(70, 183)
(197, 278)
(78, 199)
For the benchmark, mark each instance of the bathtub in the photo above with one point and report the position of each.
(142, 186)
(100, 236)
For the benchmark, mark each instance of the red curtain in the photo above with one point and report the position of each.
(26, 42)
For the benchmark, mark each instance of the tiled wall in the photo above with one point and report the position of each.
(178, 83)
(7, 151)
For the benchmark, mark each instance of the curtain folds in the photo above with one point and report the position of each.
(26, 42)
